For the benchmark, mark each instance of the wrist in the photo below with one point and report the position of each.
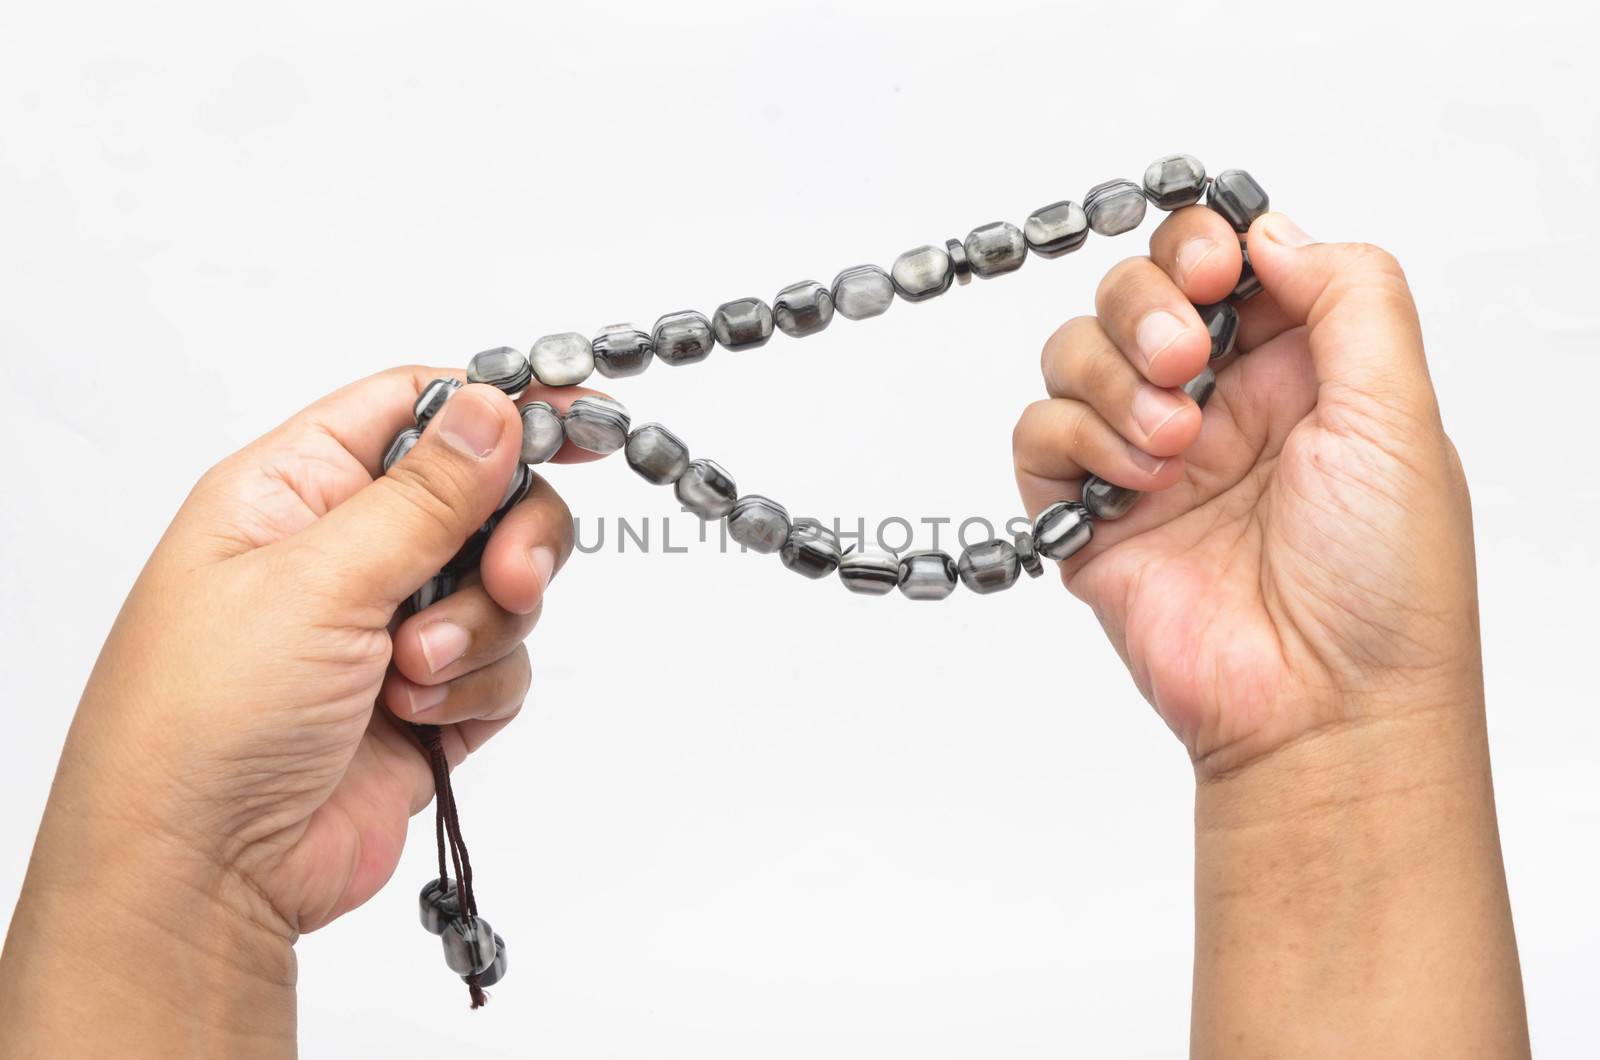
(1350, 897)
(125, 943)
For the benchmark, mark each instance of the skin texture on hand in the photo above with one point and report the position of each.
(1297, 600)
(227, 782)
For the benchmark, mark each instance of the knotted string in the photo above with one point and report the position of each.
(447, 834)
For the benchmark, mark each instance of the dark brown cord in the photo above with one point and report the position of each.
(447, 833)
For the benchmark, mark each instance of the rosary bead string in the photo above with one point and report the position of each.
(804, 545)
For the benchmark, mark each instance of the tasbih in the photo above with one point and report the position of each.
(600, 425)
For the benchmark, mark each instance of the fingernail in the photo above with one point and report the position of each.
(1148, 464)
(1192, 253)
(470, 425)
(1156, 332)
(1153, 408)
(442, 644)
(543, 562)
(1284, 232)
(426, 697)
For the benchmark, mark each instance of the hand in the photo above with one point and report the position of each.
(1297, 599)
(228, 780)
(1304, 560)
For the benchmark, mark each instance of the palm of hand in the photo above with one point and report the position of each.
(1249, 600)
(337, 780)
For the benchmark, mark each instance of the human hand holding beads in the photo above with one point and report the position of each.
(227, 761)
(1303, 559)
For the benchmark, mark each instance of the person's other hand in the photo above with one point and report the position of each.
(1304, 559)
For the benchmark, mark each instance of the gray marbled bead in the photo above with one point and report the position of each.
(960, 264)
(658, 455)
(1027, 554)
(921, 273)
(996, 248)
(502, 368)
(1174, 182)
(438, 904)
(706, 489)
(1057, 229)
(803, 308)
(471, 551)
(742, 324)
(496, 971)
(468, 945)
(927, 575)
(1115, 207)
(1248, 286)
(989, 567)
(872, 573)
(812, 549)
(403, 443)
(1062, 529)
(564, 359)
(1201, 387)
(758, 523)
(432, 399)
(621, 350)
(1237, 197)
(597, 424)
(683, 338)
(862, 291)
(1222, 324)
(433, 590)
(542, 433)
(1106, 501)
(516, 489)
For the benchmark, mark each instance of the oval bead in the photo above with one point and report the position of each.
(621, 350)
(1062, 529)
(597, 424)
(658, 455)
(742, 324)
(468, 945)
(1237, 197)
(432, 399)
(863, 291)
(929, 575)
(812, 549)
(563, 359)
(1106, 501)
(921, 273)
(706, 489)
(502, 368)
(989, 567)
(1222, 324)
(1174, 182)
(870, 573)
(995, 249)
(1115, 207)
(542, 433)
(803, 309)
(683, 338)
(439, 904)
(1057, 229)
(758, 523)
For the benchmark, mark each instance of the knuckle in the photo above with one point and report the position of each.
(1374, 261)
(433, 488)
(1026, 430)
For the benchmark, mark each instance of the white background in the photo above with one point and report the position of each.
(746, 814)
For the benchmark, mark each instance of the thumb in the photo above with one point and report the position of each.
(1362, 323)
(395, 534)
